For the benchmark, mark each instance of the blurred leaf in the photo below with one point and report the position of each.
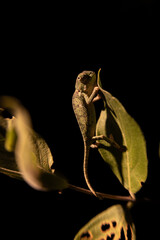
(32, 154)
(114, 223)
(131, 166)
(8, 164)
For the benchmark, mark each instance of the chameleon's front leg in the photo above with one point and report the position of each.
(94, 96)
(109, 140)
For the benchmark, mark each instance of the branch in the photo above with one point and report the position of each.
(102, 195)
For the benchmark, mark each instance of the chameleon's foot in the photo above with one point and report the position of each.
(95, 145)
(98, 97)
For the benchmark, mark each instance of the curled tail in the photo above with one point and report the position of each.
(85, 167)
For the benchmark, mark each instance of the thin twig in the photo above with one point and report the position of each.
(102, 195)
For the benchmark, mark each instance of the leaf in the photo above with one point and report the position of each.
(114, 223)
(8, 164)
(131, 166)
(32, 155)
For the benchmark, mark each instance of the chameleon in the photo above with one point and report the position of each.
(86, 93)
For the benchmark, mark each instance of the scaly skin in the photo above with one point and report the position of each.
(82, 101)
(85, 94)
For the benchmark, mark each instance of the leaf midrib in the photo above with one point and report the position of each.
(127, 156)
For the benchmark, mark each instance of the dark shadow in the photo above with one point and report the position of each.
(112, 129)
(122, 235)
(130, 222)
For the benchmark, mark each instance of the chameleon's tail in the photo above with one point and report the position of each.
(85, 168)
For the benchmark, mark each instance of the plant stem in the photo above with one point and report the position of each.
(102, 195)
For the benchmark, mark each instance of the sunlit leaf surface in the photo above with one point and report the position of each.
(131, 166)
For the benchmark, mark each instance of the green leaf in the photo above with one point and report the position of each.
(131, 166)
(33, 157)
(113, 223)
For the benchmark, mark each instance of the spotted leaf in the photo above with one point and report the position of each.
(114, 223)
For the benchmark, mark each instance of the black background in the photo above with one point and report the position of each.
(43, 49)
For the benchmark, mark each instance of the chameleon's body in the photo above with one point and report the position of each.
(85, 94)
(86, 91)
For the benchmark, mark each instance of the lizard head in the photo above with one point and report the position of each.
(86, 81)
